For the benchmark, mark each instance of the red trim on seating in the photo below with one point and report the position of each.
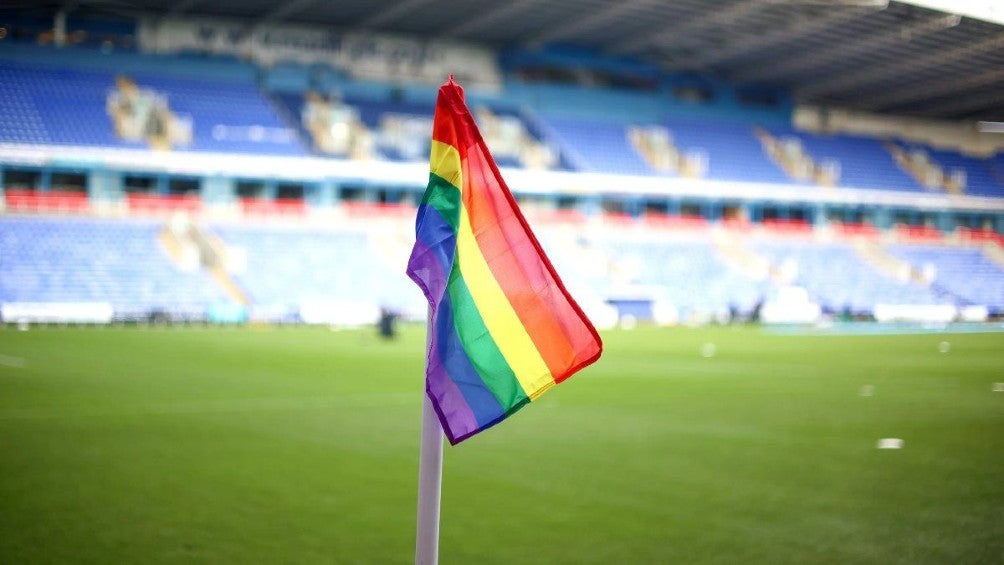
(979, 236)
(618, 218)
(736, 224)
(163, 203)
(667, 221)
(19, 200)
(787, 226)
(377, 210)
(855, 229)
(276, 207)
(918, 233)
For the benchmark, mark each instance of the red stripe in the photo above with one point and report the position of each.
(452, 129)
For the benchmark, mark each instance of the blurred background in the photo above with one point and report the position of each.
(712, 160)
(785, 216)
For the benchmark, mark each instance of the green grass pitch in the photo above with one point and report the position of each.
(300, 445)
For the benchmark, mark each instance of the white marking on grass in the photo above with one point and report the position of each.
(998, 387)
(11, 361)
(708, 350)
(867, 390)
(890, 443)
(944, 347)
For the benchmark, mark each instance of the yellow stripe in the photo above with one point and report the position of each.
(444, 161)
(500, 318)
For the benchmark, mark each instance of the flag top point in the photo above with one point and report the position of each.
(451, 83)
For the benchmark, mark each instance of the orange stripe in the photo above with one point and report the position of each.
(515, 263)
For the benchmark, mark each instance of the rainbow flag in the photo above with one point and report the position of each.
(502, 327)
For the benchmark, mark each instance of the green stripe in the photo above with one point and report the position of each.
(445, 198)
(481, 347)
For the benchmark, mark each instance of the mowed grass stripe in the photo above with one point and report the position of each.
(225, 406)
(300, 444)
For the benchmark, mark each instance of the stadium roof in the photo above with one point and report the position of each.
(871, 55)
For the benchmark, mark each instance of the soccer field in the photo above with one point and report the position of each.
(300, 445)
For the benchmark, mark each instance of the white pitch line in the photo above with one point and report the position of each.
(11, 361)
(890, 443)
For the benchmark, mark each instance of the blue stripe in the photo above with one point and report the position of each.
(487, 409)
(432, 258)
(437, 247)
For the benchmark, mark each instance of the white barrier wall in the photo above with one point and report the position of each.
(57, 312)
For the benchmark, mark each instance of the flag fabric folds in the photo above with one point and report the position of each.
(502, 326)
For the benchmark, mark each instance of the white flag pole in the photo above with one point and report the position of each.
(430, 482)
(430, 476)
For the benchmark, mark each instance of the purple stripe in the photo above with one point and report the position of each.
(432, 257)
(431, 260)
(454, 412)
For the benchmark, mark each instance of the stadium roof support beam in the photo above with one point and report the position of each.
(899, 67)
(843, 49)
(966, 105)
(948, 86)
(666, 37)
(399, 10)
(285, 10)
(753, 42)
(591, 21)
(182, 7)
(502, 10)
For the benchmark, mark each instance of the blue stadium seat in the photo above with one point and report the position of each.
(68, 107)
(686, 272)
(596, 146)
(734, 153)
(328, 265)
(864, 162)
(836, 277)
(981, 179)
(53, 259)
(964, 272)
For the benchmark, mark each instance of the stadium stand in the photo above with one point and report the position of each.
(864, 162)
(964, 273)
(978, 173)
(328, 266)
(233, 117)
(55, 106)
(734, 153)
(351, 154)
(364, 128)
(597, 146)
(837, 277)
(687, 272)
(119, 262)
(58, 104)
